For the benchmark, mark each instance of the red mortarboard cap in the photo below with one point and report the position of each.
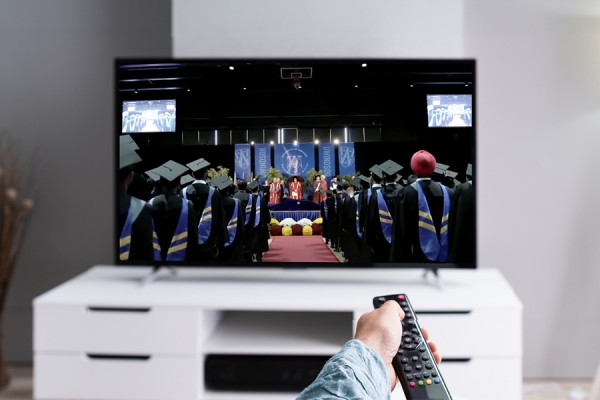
(423, 163)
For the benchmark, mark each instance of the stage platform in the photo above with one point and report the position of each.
(295, 209)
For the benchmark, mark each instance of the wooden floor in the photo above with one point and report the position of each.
(21, 387)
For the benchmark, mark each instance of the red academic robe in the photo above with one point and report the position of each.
(296, 190)
(316, 193)
(279, 192)
(272, 194)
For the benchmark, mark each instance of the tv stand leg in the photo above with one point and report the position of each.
(437, 279)
(154, 274)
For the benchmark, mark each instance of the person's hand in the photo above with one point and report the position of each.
(381, 330)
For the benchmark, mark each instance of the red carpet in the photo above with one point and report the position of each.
(299, 249)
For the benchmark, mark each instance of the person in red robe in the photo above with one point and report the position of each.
(296, 190)
(279, 190)
(273, 192)
(316, 194)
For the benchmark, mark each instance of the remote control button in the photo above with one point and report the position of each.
(429, 366)
(418, 375)
(436, 380)
(409, 377)
(410, 346)
(401, 297)
(406, 309)
(408, 315)
(422, 348)
(414, 330)
(434, 374)
(412, 384)
(407, 368)
(406, 334)
(411, 322)
(425, 358)
(381, 299)
(400, 351)
(418, 366)
(420, 383)
(415, 358)
(425, 374)
(403, 304)
(404, 360)
(429, 381)
(408, 340)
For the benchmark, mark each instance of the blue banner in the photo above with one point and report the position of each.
(242, 161)
(262, 160)
(346, 159)
(327, 159)
(294, 159)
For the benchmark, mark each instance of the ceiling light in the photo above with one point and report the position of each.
(466, 84)
(189, 90)
(336, 141)
(272, 142)
(135, 91)
(364, 65)
(295, 142)
(317, 141)
(231, 67)
(244, 88)
(412, 85)
(355, 85)
(251, 142)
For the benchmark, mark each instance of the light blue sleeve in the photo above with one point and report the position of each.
(356, 372)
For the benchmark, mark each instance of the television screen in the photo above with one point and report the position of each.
(148, 116)
(449, 110)
(301, 163)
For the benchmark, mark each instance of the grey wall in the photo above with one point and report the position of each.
(56, 91)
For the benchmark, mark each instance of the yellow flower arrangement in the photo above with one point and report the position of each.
(286, 231)
(307, 231)
(274, 221)
(318, 221)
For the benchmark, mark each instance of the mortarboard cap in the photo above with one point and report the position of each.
(390, 167)
(128, 157)
(356, 182)
(186, 179)
(222, 182)
(456, 182)
(253, 185)
(153, 175)
(364, 179)
(451, 174)
(126, 141)
(170, 170)
(440, 171)
(404, 182)
(198, 164)
(469, 172)
(376, 170)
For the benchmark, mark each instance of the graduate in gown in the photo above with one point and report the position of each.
(273, 192)
(332, 220)
(233, 248)
(209, 211)
(261, 245)
(324, 215)
(296, 189)
(361, 198)
(175, 219)
(135, 215)
(422, 212)
(380, 218)
(462, 222)
(248, 203)
(349, 237)
(279, 191)
(317, 194)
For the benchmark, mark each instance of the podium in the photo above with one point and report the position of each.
(104, 335)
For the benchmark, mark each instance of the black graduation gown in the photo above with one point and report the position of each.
(373, 232)
(249, 230)
(166, 212)
(406, 246)
(235, 251)
(141, 248)
(140, 188)
(350, 242)
(461, 225)
(325, 224)
(198, 194)
(262, 238)
(332, 226)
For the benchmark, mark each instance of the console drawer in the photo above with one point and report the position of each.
(100, 329)
(77, 376)
(477, 333)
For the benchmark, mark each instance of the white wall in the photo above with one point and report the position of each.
(538, 129)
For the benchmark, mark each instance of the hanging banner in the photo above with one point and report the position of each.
(294, 159)
(242, 161)
(347, 160)
(327, 159)
(262, 160)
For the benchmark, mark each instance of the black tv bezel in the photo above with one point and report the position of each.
(138, 133)
(283, 265)
(450, 127)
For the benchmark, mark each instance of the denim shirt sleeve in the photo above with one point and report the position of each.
(356, 372)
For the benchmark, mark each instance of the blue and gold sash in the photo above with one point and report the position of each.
(385, 217)
(178, 247)
(248, 209)
(232, 225)
(257, 215)
(434, 249)
(358, 204)
(205, 223)
(135, 208)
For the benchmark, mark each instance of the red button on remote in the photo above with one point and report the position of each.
(401, 297)
(412, 384)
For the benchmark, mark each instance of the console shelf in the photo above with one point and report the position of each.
(150, 342)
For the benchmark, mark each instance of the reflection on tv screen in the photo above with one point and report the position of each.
(148, 116)
(453, 110)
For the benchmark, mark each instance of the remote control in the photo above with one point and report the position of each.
(414, 363)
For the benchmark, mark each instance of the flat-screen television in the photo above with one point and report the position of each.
(295, 163)
(449, 110)
(148, 116)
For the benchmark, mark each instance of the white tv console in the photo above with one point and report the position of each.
(102, 335)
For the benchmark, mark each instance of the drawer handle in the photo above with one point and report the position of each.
(118, 357)
(443, 312)
(456, 360)
(119, 309)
